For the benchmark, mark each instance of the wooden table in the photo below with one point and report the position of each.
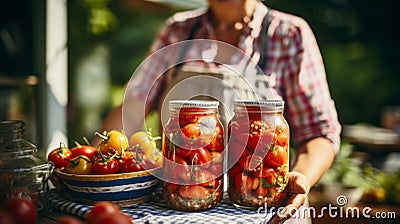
(374, 210)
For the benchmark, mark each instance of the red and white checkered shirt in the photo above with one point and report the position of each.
(293, 57)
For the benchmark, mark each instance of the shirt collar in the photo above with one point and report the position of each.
(255, 24)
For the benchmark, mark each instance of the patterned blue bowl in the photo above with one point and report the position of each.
(124, 189)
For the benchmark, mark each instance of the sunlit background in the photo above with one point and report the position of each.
(108, 39)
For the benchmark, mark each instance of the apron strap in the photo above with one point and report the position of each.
(193, 32)
(264, 41)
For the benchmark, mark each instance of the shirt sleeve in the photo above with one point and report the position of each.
(310, 109)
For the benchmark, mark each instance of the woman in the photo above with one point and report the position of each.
(284, 48)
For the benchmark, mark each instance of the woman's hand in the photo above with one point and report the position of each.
(297, 190)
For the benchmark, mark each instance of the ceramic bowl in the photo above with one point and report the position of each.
(125, 189)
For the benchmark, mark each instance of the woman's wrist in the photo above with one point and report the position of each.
(314, 158)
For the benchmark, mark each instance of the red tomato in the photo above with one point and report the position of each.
(233, 171)
(6, 217)
(184, 173)
(105, 165)
(113, 141)
(183, 152)
(69, 220)
(242, 138)
(239, 125)
(170, 174)
(100, 208)
(200, 156)
(283, 139)
(283, 136)
(126, 154)
(22, 210)
(243, 183)
(80, 165)
(268, 138)
(191, 131)
(86, 150)
(254, 142)
(277, 156)
(60, 156)
(262, 191)
(194, 191)
(180, 160)
(206, 178)
(261, 141)
(21, 192)
(190, 138)
(132, 165)
(235, 151)
(176, 157)
(266, 172)
(189, 115)
(217, 162)
(178, 168)
(217, 143)
(170, 187)
(250, 161)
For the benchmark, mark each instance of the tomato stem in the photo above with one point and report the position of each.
(273, 146)
(103, 136)
(62, 145)
(87, 160)
(103, 158)
(74, 161)
(77, 144)
(86, 141)
(137, 154)
(157, 138)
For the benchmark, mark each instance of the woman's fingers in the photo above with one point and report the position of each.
(297, 190)
(298, 183)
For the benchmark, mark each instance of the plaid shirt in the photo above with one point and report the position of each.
(294, 63)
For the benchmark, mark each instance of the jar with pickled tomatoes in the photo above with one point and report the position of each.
(258, 153)
(192, 145)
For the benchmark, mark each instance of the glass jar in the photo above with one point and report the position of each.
(192, 145)
(258, 154)
(23, 173)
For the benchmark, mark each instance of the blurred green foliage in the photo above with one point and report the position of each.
(358, 45)
(126, 28)
(355, 37)
(383, 187)
(101, 18)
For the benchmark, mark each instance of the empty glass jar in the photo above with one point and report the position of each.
(23, 173)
